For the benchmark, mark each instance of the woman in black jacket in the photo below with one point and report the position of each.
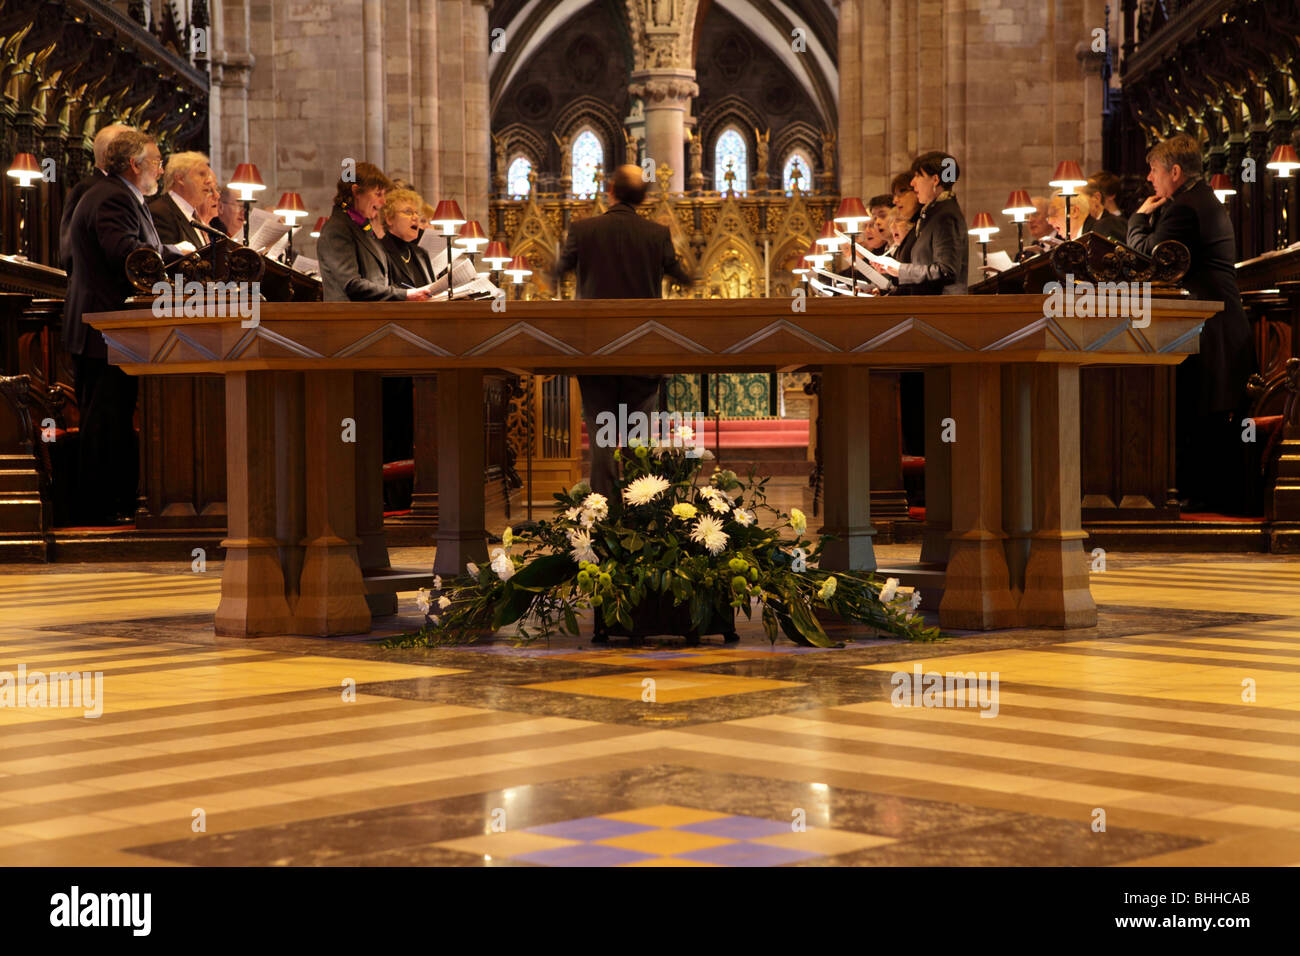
(408, 262)
(940, 255)
(353, 264)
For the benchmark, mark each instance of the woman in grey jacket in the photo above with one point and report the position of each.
(940, 255)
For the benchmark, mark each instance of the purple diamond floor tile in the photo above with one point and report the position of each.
(585, 854)
(738, 827)
(747, 854)
(588, 828)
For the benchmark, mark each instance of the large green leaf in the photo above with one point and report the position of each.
(539, 575)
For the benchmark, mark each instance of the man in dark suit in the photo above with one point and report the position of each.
(102, 139)
(1211, 386)
(353, 264)
(111, 222)
(619, 255)
(186, 182)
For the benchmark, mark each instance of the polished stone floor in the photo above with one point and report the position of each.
(1167, 735)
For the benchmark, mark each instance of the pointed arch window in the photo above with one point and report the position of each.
(517, 184)
(731, 155)
(798, 159)
(588, 155)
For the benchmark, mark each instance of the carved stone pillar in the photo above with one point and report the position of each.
(667, 95)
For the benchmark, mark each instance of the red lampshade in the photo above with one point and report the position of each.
(496, 255)
(290, 208)
(851, 214)
(447, 217)
(1069, 177)
(1019, 205)
(983, 226)
(25, 169)
(830, 239)
(471, 236)
(1222, 186)
(320, 223)
(518, 269)
(1284, 160)
(246, 181)
(816, 257)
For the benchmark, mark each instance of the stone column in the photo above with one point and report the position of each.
(666, 94)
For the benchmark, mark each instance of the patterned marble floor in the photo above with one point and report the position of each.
(1174, 723)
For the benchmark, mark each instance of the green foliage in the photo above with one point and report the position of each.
(628, 558)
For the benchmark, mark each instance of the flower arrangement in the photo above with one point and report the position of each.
(673, 542)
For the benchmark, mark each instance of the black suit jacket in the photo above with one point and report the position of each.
(353, 264)
(1109, 225)
(69, 207)
(108, 225)
(620, 255)
(408, 262)
(172, 224)
(1197, 219)
(940, 256)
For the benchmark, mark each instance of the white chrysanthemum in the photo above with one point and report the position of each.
(889, 590)
(708, 532)
(580, 541)
(437, 582)
(424, 601)
(471, 569)
(744, 518)
(596, 506)
(645, 489)
(444, 602)
(916, 600)
(684, 510)
(502, 565)
(719, 504)
(686, 432)
(827, 589)
(798, 521)
(572, 514)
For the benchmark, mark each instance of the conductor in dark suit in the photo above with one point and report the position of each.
(353, 264)
(619, 255)
(111, 222)
(1211, 385)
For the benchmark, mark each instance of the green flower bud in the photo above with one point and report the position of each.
(596, 601)
(642, 451)
(605, 580)
(739, 584)
(753, 574)
(738, 564)
(584, 577)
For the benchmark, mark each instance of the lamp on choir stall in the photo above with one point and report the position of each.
(803, 271)
(1222, 187)
(496, 257)
(25, 170)
(830, 241)
(448, 217)
(817, 259)
(246, 181)
(290, 209)
(1019, 208)
(471, 238)
(984, 228)
(851, 214)
(1284, 163)
(320, 224)
(518, 271)
(1069, 177)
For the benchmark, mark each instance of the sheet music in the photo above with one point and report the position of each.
(872, 276)
(1000, 260)
(265, 230)
(462, 270)
(864, 253)
(306, 266)
(839, 285)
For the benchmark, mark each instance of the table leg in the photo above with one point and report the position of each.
(252, 584)
(424, 492)
(938, 467)
(1017, 468)
(332, 594)
(846, 463)
(977, 593)
(1057, 590)
(462, 533)
(372, 550)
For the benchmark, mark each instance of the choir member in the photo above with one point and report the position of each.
(939, 256)
(1211, 385)
(353, 263)
(1110, 186)
(908, 209)
(100, 148)
(230, 214)
(184, 192)
(408, 262)
(111, 222)
(1056, 216)
(1039, 227)
(618, 255)
(1099, 219)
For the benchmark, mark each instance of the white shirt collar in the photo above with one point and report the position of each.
(185, 207)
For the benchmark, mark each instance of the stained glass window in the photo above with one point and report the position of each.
(730, 153)
(587, 155)
(797, 159)
(517, 177)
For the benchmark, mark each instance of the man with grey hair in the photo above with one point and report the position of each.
(186, 180)
(111, 222)
(100, 148)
